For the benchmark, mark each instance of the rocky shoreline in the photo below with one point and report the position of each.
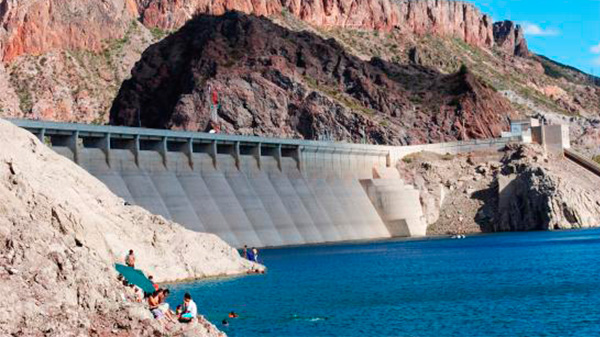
(519, 189)
(61, 232)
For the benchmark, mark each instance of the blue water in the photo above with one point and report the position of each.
(523, 284)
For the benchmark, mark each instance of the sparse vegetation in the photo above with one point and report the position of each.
(25, 98)
(158, 34)
(341, 97)
(596, 158)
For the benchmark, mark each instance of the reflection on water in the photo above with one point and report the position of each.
(517, 284)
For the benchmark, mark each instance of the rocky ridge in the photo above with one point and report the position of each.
(277, 82)
(445, 18)
(61, 230)
(78, 71)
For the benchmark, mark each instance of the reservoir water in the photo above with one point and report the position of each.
(518, 284)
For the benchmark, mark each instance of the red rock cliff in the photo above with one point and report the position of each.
(35, 27)
(446, 18)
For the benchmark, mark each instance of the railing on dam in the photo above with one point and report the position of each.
(248, 190)
(308, 155)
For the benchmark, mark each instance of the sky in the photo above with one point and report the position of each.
(565, 31)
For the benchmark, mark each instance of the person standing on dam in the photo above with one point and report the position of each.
(245, 252)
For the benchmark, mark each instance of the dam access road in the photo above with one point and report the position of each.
(250, 190)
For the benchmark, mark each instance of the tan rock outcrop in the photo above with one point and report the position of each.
(519, 189)
(61, 230)
(510, 38)
(541, 193)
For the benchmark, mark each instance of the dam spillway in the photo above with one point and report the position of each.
(250, 190)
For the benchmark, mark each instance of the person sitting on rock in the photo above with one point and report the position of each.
(189, 310)
(130, 259)
(153, 303)
(164, 306)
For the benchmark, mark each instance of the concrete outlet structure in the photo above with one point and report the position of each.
(249, 190)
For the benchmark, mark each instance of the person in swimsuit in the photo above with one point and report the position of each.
(130, 259)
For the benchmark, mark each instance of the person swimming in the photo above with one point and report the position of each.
(233, 315)
(225, 323)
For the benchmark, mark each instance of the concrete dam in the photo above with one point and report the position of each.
(250, 190)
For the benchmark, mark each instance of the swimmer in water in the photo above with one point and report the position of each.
(233, 315)
(225, 323)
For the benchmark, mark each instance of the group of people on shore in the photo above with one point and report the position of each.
(250, 254)
(184, 313)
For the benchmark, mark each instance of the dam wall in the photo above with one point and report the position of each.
(249, 190)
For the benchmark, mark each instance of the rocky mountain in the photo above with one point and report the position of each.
(274, 81)
(66, 60)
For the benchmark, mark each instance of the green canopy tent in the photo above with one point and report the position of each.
(135, 277)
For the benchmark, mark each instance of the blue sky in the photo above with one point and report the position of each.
(565, 31)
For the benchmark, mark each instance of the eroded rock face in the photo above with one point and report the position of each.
(518, 189)
(541, 193)
(444, 18)
(510, 38)
(273, 81)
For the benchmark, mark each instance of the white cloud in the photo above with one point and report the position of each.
(595, 49)
(535, 30)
